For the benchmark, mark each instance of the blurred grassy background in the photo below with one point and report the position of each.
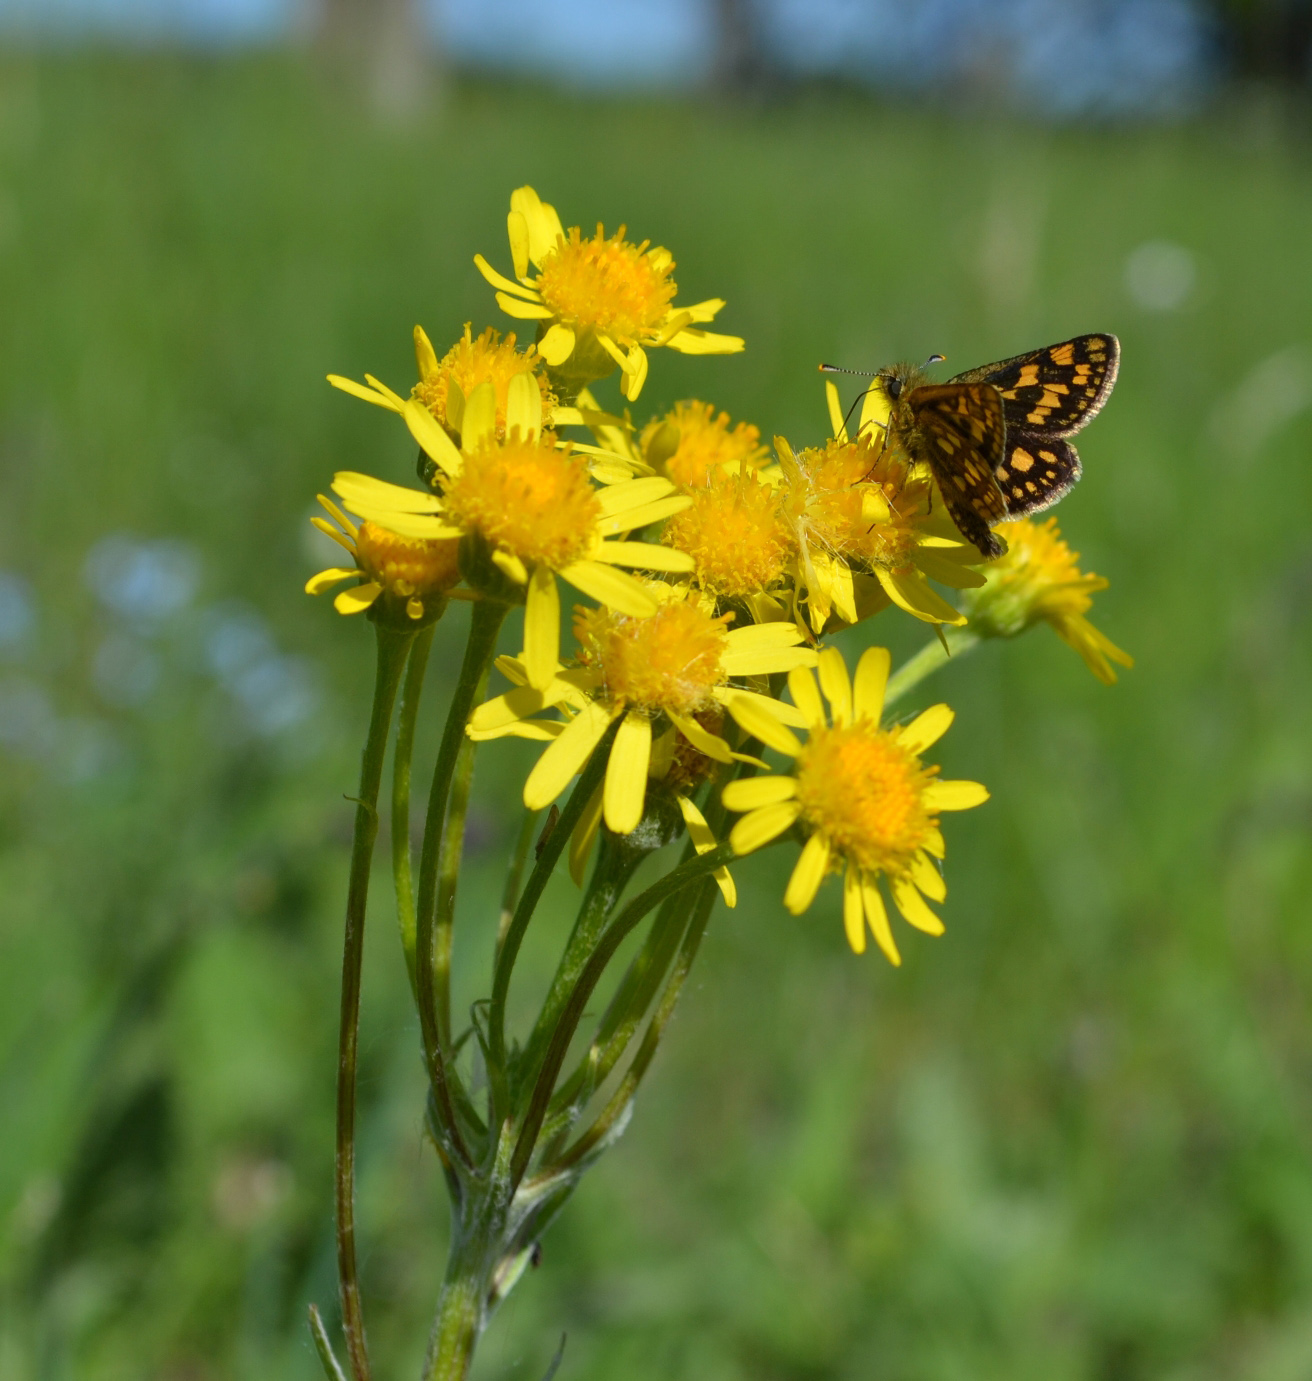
(1069, 1140)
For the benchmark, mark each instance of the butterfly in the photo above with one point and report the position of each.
(995, 438)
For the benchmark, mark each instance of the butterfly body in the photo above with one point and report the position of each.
(995, 438)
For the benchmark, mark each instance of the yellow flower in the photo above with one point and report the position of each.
(598, 301)
(1039, 579)
(738, 534)
(866, 530)
(529, 505)
(417, 571)
(672, 669)
(693, 442)
(861, 794)
(445, 384)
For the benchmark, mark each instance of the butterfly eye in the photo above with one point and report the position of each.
(893, 387)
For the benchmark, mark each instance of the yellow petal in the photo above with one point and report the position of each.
(325, 580)
(875, 409)
(380, 496)
(499, 280)
(934, 843)
(580, 844)
(763, 725)
(854, 912)
(479, 425)
(633, 494)
(926, 729)
(695, 342)
(877, 915)
(542, 627)
(523, 406)
(706, 310)
(336, 534)
(701, 738)
(781, 633)
(836, 427)
(370, 395)
(511, 565)
(553, 770)
(425, 355)
(517, 233)
(939, 796)
(626, 773)
(609, 586)
(357, 600)
(437, 445)
(432, 527)
(703, 840)
(751, 793)
(781, 710)
(761, 661)
(632, 518)
(802, 687)
(928, 878)
(912, 906)
(836, 686)
(910, 592)
(946, 571)
(557, 345)
(544, 227)
(635, 375)
(761, 826)
(524, 311)
(808, 874)
(645, 556)
(868, 688)
(538, 730)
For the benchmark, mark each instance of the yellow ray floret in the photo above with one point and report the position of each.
(867, 805)
(600, 301)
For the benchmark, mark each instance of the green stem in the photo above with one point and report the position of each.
(928, 660)
(393, 646)
(617, 860)
(623, 1095)
(484, 624)
(589, 780)
(411, 692)
(616, 933)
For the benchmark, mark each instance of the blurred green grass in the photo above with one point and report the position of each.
(1069, 1140)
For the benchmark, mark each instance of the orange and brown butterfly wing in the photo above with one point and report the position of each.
(1048, 395)
(961, 435)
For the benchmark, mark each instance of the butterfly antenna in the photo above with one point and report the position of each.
(838, 369)
(935, 359)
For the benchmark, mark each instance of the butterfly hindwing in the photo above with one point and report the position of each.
(963, 432)
(1038, 470)
(1054, 391)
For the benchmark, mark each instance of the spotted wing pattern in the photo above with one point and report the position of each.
(1048, 395)
(962, 436)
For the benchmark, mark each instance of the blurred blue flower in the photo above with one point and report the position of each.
(17, 610)
(142, 581)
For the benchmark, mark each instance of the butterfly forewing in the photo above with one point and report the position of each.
(962, 431)
(1056, 390)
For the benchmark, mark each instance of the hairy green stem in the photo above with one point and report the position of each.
(551, 849)
(484, 624)
(411, 693)
(393, 647)
(615, 934)
(615, 1108)
(928, 660)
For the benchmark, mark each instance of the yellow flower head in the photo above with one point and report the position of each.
(445, 384)
(415, 571)
(1039, 579)
(599, 301)
(866, 530)
(529, 512)
(860, 792)
(737, 532)
(693, 442)
(670, 670)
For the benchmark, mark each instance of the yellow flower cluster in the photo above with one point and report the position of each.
(715, 570)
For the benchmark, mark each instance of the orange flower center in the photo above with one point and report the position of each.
(609, 285)
(705, 443)
(864, 792)
(736, 533)
(407, 566)
(471, 362)
(527, 498)
(670, 661)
